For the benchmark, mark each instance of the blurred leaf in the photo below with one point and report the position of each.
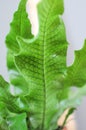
(18, 122)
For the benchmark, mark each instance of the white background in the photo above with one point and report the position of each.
(75, 22)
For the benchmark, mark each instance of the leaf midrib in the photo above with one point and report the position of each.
(44, 79)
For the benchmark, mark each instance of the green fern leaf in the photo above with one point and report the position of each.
(22, 27)
(17, 122)
(38, 69)
(10, 105)
(19, 26)
(43, 67)
(14, 104)
(76, 75)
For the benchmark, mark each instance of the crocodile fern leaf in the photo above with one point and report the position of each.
(43, 67)
(9, 105)
(19, 26)
(76, 72)
(38, 71)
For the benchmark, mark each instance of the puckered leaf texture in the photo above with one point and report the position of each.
(38, 71)
(42, 66)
